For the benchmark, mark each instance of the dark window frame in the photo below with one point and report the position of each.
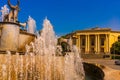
(102, 41)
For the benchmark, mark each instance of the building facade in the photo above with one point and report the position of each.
(95, 40)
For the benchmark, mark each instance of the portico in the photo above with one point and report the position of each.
(95, 40)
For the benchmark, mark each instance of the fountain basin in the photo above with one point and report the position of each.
(12, 38)
(9, 36)
(100, 72)
(92, 72)
(24, 38)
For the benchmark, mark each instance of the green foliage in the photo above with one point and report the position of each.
(63, 36)
(115, 49)
(116, 57)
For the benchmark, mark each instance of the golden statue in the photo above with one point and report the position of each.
(13, 14)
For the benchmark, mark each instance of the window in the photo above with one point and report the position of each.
(83, 42)
(102, 41)
(92, 42)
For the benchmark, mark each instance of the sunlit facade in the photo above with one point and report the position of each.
(95, 40)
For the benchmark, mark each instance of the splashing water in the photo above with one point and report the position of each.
(31, 25)
(4, 11)
(40, 61)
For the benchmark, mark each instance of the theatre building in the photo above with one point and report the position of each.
(94, 40)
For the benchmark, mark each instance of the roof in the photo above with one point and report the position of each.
(97, 29)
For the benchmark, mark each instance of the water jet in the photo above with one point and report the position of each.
(39, 61)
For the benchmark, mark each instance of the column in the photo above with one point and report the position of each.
(79, 43)
(96, 41)
(85, 43)
(106, 45)
(88, 43)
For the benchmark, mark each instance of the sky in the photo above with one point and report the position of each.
(67, 16)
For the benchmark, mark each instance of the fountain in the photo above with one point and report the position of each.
(4, 11)
(39, 61)
(31, 25)
(12, 31)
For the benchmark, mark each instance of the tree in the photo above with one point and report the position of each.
(115, 49)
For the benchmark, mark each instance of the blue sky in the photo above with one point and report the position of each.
(70, 15)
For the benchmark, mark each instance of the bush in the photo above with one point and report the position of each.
(115, 57)
(115, 49)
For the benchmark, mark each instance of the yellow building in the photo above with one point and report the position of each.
(95, 40)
